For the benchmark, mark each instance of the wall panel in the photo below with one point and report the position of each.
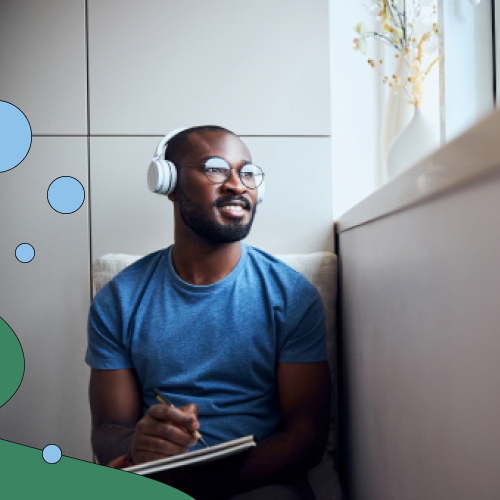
(46, 301)
(258, 67)
(43, 63)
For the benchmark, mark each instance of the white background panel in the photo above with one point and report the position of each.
(125, 216)
(43, 63)
(420, 313)
(259, 67)
(46, 301)
(295, 217)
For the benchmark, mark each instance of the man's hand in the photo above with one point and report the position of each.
(118, 427)
(121, 462)
(164, 431)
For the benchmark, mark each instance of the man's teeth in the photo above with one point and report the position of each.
(232, 207)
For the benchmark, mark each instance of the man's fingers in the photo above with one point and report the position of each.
(177, 416)
(164, 431)
(167, 431)
(120, 462)
(156, 446)
(191, 408)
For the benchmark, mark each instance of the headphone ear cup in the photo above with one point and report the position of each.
(162, 176)
(261, 190)
(172, 176)
(155, 176)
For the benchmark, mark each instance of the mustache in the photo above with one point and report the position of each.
(228, 199)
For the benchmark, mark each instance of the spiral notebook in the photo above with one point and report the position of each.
(195, 457)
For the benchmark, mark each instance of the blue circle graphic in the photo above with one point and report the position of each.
(52, 453)
(25, 252)
(66, 195)
(15, 136)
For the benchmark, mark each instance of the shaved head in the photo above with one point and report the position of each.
(179, 144)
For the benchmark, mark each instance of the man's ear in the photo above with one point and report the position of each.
(172, 196)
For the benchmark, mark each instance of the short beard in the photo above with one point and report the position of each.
(195, 219)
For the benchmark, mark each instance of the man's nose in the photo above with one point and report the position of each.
(233, 182)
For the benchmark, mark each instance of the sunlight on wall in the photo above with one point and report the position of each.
(354, 111)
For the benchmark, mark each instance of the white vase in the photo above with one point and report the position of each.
(416, 141)
(398, 112)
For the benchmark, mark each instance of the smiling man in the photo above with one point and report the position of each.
(233, 336)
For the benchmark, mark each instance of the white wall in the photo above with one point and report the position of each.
(358, 98)
(468, 60)
(42, 61)
(356, 111)
(259, 68)
(45, 302)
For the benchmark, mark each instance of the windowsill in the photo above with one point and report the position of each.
(472, 155)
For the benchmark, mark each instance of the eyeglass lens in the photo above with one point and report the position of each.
(218, 171)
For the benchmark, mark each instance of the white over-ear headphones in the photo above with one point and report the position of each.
(162, 174)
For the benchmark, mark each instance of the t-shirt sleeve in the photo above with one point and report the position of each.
(305, 332)
(105, 349)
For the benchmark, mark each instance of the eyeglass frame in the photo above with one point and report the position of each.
(229, 174)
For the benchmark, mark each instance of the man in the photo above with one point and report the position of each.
(232, 335)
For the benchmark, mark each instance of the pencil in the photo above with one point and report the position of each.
(164, 400)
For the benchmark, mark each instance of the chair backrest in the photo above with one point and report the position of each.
(319, 268)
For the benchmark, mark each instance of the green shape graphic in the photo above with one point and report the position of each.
(25, 474)
(11, 362)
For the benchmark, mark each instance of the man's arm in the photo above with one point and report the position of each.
(117, 426)
(115, 404)
(304, 393)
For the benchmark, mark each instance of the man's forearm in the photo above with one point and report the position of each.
(276, 460)
(110, 441)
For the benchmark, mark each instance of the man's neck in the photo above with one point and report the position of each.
(204, 263)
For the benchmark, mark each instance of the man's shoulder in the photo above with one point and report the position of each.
(273, 268)
(265, 260)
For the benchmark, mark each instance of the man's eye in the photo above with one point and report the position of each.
(215, 170)
(247, 175)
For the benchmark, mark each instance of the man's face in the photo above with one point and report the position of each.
(204, 207)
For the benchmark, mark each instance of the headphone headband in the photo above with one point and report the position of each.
(164, 142)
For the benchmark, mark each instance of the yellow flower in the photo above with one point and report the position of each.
(360, 42)
(396, 31)
(385, 17)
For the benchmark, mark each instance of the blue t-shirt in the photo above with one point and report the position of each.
(217, 345)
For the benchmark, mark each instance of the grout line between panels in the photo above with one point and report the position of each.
(89, 211)
(161, 135)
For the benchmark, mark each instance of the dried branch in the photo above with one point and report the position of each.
(390, 8)
(383, 38)
(402, 20)
(431, 65)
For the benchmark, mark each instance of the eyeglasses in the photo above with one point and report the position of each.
(217, 170)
